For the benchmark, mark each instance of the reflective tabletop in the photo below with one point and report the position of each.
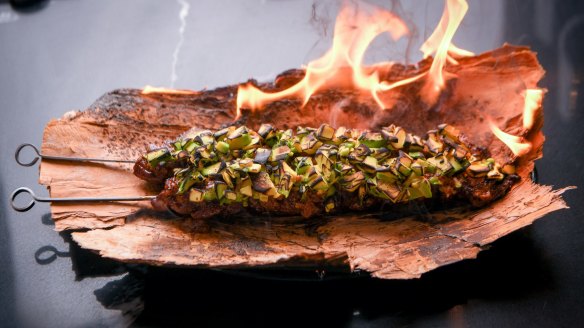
(59, 56)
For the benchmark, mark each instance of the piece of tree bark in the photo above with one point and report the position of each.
(123, 123)
(396, 249)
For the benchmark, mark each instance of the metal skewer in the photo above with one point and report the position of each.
(60, 158)
(30, 204)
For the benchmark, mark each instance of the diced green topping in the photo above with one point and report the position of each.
(341, 134)
(254, 168)
(205, 138)
(190, 146)
(222, 147)
(417, 168)
(369, 164)
(231, 195)
(318, 183)
(186, 184)
(286, 136)
(404, 163)
(265, 130)
(329, 205)
(253, 143)
(221, 134)
(479, 169)
(434, 144)
(359, 153)
(237, 164)
(345, 149)
(372, 140)
(228, 176)
(353, 181)
(157, 155)
(263, 184)
(385, 174)
(244, 187)
(280, 154)
(434, 181)
(420, 189)
(210, 193)
(309, 144)
(442, 165)
(380, 153)
(303, 164)
(495, 175)
(303, 130)
(456, 166)
(391, 190)
(220, 188)
(325, 132)
(417, 154)
(396, 136)
(238, 138)
(244, 163)
(459, 153)
(196, 195)
(285, 185)
(414, 143)
(204, 153)
(213, 169)
(262, 155)
(286, 169)
(449, 131)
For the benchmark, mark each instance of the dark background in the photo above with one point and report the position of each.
(62, 55)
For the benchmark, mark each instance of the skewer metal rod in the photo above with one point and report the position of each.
(30, 204)
(60, 158)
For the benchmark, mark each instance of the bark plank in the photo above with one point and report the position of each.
(124, 123)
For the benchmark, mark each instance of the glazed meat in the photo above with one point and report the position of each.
(319, 171)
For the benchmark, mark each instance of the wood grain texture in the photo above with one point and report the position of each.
(123, 124)
(396, 249)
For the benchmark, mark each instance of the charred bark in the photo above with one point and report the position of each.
(123, 123)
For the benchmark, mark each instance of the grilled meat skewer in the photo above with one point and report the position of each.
(310, 171)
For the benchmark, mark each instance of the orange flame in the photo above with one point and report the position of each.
(533, 99)
(433, 42)
(518, 145)
(342, 64)
(354, 31)
(150, 89)
(440, 43)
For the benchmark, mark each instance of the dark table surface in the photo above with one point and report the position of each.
(65, 54)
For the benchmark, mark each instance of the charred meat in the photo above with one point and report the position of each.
(311, 171)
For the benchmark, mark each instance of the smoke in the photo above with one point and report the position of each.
(182, 15)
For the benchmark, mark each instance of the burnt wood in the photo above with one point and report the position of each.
(124, 123)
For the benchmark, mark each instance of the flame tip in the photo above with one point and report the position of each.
(518, 145)
(342, 65)
(531, 107)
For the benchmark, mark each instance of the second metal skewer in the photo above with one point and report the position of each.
(60, 158)
(30, 204)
